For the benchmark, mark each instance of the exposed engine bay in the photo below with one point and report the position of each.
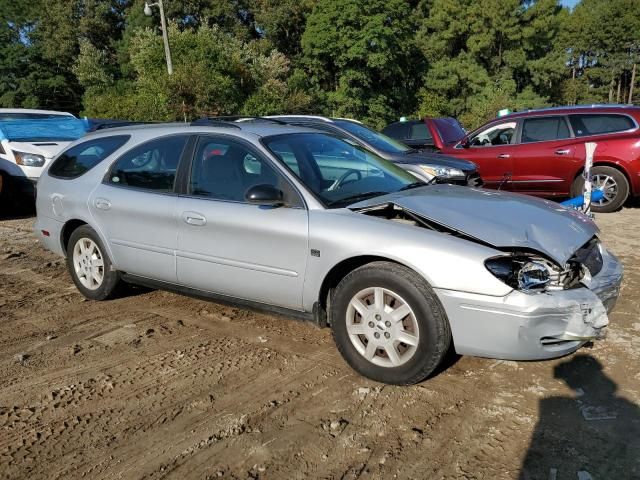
(540, 270)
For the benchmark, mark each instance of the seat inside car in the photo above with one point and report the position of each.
(219, 175)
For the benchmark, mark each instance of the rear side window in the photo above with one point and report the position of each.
(150, 166)
(597, 124)
(83, 157)
(544, 129)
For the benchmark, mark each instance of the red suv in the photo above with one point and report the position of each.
(541, 152)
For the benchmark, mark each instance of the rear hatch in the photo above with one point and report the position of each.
(446, 131)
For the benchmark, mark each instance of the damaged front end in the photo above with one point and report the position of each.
(554, 308)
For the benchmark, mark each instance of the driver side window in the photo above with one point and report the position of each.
(496, 134)
(224, 170)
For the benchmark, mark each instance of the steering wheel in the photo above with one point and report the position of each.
(341, 179)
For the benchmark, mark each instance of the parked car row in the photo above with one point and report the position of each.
(318, 223)
(541, 152)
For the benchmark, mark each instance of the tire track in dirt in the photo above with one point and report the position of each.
(164, 386)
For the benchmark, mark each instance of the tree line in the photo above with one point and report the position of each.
(373, 60)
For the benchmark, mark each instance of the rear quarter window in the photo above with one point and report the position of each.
(83, 157)
(598, 124)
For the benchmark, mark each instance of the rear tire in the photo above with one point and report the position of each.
(388, 324)
(616, 188)
(90, 267)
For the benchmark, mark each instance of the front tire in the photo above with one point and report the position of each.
(614, 184)
(388, 324)
(90, 266)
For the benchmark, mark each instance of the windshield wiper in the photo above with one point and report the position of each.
(354, 198)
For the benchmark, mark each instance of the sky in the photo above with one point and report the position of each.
(569, 3)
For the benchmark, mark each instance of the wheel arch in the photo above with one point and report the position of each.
(67, 229)
(337, 273)
(612, 164)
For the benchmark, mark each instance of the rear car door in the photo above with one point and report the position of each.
(230, 247)
(546, 159)
(134, 208)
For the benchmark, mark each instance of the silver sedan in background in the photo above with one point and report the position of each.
(310, 225)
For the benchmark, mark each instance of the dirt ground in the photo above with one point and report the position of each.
(157, 385)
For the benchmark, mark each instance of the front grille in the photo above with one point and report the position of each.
(590, 256)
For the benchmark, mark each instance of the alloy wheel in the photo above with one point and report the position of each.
(88, 263)
(382, 327)
(608, 185)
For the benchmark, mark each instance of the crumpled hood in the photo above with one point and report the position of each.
(501, 219)
(47, 149)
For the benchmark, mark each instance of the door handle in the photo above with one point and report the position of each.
(504, 155)
(194, 218)
(563, 152)
(102, 203)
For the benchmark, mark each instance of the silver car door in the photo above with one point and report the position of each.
(135, 208)
(230, 247)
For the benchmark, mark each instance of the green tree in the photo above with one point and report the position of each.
(602, 44)
(215, 73)
(484, 55)
(360, 54)
(282, 23)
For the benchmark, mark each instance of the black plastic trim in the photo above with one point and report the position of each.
(316, 317)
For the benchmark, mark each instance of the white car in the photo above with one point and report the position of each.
(29, 139)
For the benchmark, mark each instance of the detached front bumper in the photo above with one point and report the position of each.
(522, 326)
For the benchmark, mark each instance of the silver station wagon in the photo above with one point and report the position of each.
(306, 224)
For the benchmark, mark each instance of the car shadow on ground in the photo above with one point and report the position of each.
(16, 209)
(592, 434)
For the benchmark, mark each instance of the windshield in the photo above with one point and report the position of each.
(373, 138)
(336, 170)
(60, 128)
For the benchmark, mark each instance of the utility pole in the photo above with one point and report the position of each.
(165, 34)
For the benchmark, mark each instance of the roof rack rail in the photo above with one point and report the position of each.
(236, 119)
(572, 107)
(102, 125)
(300, 117)
(214, 122)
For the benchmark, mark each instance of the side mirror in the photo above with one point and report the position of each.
(264, 195)
(464, 143)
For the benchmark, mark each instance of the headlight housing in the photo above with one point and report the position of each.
(522, 273)
(29, 159)
(441, 171)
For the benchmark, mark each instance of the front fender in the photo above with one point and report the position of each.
(445, 261)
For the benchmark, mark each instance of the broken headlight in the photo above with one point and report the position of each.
(521, 273)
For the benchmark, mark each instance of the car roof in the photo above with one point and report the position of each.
(31, 110)
(312, 118)
(245, 128)
(572, 109)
